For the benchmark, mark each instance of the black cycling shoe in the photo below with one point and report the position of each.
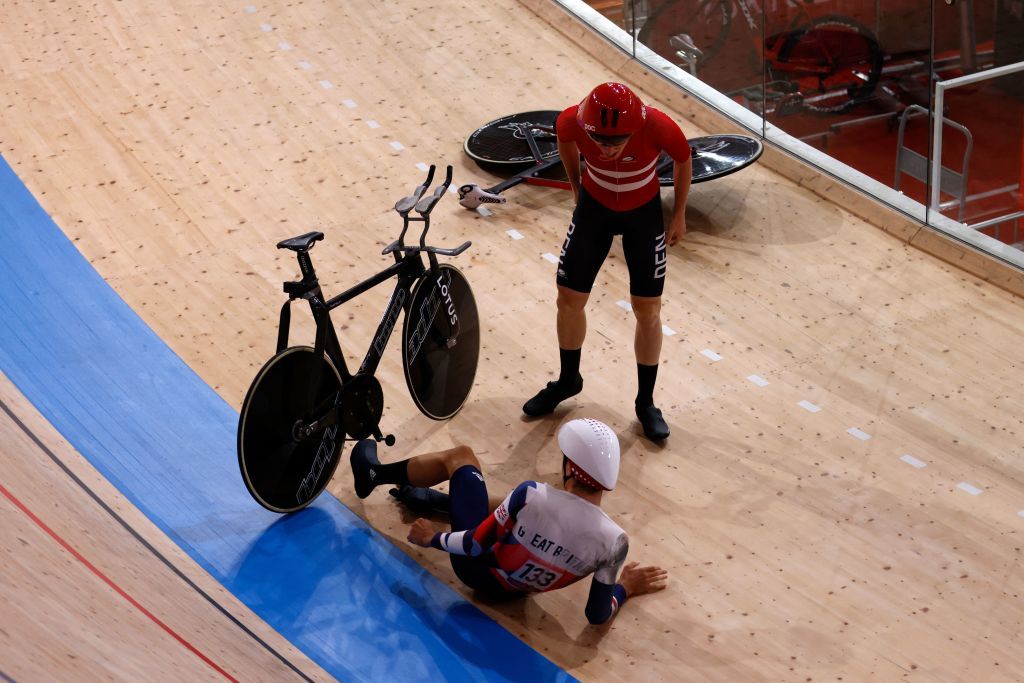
(422, 499)
(550, 396)
(655, 427)
(363, 459)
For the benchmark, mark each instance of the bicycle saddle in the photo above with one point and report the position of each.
(302, 242)
(684, 43)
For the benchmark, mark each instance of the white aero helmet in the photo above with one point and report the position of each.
(593, 452)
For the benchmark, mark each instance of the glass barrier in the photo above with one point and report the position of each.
(981, 139)
(850, 85)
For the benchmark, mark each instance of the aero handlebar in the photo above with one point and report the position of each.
(423, 205)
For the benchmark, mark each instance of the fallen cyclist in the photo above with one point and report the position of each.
(540, 538)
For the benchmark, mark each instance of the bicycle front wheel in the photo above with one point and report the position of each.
(835, 61)
(282, 471)
(441, 342)
(501, 144)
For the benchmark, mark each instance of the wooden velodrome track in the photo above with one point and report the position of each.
(842, 494)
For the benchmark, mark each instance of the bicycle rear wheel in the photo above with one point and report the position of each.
(835, 57)
(282, 472)
(441, 342)
(501, 144)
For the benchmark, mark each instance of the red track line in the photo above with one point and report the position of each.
(113, 585)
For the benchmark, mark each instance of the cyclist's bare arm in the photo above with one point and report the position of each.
(681, 177)
(570, 156)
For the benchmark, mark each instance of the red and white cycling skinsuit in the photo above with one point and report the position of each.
(630, 180)
(541, 538)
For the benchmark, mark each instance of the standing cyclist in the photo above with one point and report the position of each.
(539, 538)
(620, 140)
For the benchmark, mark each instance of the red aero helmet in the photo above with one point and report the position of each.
(611, 109)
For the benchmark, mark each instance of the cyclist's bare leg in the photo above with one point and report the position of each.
(648, 336)
(571, 323)
(412, 477)
(647, 345)
(430, 469)
(572, 318)
(433, 468)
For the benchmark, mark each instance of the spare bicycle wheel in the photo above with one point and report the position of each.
(282, 471)
(715, 156)
(501, 144)
(835, 61)
(441, 342)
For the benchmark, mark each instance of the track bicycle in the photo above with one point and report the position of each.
(526, 144)
(834, 61)
(304, 402)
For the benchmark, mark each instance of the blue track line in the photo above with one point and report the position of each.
(324, 579)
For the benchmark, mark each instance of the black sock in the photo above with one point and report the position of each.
(422, 499)
(570, 365)
(395, 473)
(646, 376)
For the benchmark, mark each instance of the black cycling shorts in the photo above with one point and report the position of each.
(590, 237)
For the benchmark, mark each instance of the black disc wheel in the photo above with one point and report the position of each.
(441, 342)
(501, 145)
(665, 168)
(284, 467)
(715, 156)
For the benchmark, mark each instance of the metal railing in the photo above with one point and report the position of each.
(935, 183)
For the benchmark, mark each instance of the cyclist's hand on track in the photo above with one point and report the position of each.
(639, 580)
(676, 229)
(422, 532)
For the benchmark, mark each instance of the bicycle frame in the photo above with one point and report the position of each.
(302, 404)
(408, 268)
